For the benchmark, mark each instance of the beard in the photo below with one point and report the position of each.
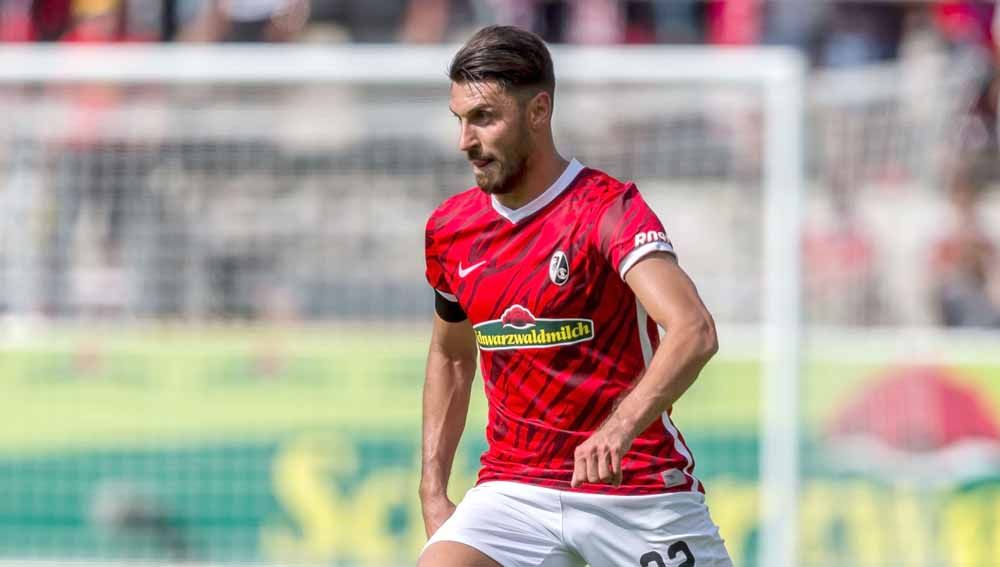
(501, 176)
(504, 173)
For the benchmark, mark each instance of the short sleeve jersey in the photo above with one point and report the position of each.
(561, 336)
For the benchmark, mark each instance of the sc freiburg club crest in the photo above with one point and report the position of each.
(559, 268)
(517, 327)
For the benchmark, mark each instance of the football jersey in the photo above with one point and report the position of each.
(561, 336)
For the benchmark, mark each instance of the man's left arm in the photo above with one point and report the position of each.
(671, 299)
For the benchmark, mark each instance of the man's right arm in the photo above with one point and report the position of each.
(451, 367)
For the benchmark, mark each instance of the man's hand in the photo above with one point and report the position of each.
(436, 511)
(599, 458)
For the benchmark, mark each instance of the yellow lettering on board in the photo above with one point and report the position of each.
(913, 536)
(734, 507)
(378, 523)
(373, 537)
(965, 528)
(301, 474)
(816, 520)
(865, 521)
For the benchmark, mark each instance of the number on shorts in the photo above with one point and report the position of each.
(654, 559)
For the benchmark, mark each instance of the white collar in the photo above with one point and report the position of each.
(517, 215)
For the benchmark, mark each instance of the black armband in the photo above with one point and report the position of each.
(450, 311)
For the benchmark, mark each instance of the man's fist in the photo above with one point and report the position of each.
(599, 458)
(436, 511)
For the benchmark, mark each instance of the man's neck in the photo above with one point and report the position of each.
(538, 177)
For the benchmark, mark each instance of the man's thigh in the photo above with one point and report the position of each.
(509, 524)
(454, 554)
(670, 530)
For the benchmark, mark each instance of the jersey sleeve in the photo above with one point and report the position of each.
(628, 230)
(435, 272)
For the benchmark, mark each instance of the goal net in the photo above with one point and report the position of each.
(211, 272)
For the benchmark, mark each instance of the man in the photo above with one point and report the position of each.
(560, 274)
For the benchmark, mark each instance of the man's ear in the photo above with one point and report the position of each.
(540, 109)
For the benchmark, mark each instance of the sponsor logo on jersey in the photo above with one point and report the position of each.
(559, 268)
(518, 317)
(462, 272)
(517, 327)
(650, 236)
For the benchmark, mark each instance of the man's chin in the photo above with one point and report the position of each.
(490, 186)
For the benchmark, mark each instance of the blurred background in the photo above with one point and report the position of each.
(213, 317)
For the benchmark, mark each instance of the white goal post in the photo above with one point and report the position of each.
(778, 75)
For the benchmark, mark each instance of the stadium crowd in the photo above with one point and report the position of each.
(834, 33)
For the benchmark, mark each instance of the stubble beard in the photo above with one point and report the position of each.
(509, 171)
(506, 176)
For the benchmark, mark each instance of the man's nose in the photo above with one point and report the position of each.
(466, 139)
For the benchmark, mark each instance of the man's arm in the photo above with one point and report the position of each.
(672, 301)
(451, 367)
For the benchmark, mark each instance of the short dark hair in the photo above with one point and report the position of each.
(513, 58)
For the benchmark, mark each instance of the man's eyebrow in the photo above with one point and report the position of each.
(477, 108)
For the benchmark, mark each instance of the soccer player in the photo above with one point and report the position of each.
(559, 274)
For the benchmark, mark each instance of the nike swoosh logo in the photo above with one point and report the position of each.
(462, 272)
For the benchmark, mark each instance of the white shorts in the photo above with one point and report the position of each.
(520, 525)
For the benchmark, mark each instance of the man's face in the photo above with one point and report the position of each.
(494, 134)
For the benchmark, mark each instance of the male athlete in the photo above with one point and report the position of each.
(560, 275)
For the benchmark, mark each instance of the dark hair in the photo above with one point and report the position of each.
(513, 58)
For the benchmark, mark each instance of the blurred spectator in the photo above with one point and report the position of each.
(95, 21)
(595, 21)
(734, 22)
(795, 24)
(677, 21)
(77, 21)
(965, 268)
(34, 20)
(16, 24)
(841, 281)
(426, 21)
(375, 21)
(856, 33)
(385, 21)
(603, 21)
(246, 20)
(534, 15)
(966, 22)
(970, 26)
(96, 177)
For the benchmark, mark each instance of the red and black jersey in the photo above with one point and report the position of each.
(561, 336)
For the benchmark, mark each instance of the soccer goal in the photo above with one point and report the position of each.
(214, 309)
